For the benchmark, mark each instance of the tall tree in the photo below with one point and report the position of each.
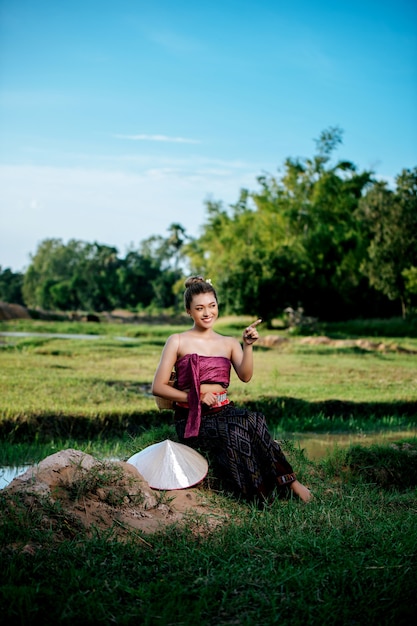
(53, 264)
(11, 286)
(390, 217)
(91, 276)
(167, 254)
(294, 241)
(135, 275)
(95, 278)
(76, 275)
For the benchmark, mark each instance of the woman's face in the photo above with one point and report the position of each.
(204, 310)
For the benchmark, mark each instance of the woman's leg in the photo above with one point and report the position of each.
(246, 458)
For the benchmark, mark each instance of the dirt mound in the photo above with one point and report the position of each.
(275, 341)
(364, 344)
(95, 494)
(271, 341)
(13, 312)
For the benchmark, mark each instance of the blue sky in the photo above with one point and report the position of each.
(119, 118)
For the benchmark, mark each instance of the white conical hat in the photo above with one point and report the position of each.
(169, 465)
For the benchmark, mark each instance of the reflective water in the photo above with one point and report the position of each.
(317, 446)
(8, 473)
(22, 335)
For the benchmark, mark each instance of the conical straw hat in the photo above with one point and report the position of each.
(169, 465)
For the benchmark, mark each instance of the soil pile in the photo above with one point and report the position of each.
(92, 494)
(13, 312)
(363, 344)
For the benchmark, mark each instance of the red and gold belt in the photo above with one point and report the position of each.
(222, 400)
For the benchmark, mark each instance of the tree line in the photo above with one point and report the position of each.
(321, 235)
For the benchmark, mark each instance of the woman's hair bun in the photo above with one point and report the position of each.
(194, 286)
(194, 279)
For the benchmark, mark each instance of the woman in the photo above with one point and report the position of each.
(239, 445)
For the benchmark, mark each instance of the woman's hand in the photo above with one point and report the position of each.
(250, 334)
(208, 398)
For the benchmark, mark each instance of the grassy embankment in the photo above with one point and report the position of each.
(349, 557)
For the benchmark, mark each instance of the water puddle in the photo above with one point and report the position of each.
(317, 446)
(8, 473)
(23, 335)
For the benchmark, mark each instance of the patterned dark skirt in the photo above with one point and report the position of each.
(241, 452)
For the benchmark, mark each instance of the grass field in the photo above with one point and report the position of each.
(349, 557)
(85, 390)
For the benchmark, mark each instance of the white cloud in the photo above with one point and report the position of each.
(109, 205)
(157, 138)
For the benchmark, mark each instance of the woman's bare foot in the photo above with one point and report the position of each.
(302, 492)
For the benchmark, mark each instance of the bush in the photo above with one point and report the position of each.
(393, 466)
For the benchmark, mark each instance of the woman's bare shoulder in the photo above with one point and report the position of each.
(176, 337)
(230, 343)
(179, 341)
(230, 340)
(172, 343)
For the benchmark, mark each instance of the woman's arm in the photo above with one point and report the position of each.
(242, 359)
(160, 386)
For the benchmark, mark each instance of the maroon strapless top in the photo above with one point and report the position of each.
(193, 370)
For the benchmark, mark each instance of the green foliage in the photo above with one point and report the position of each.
(392, 327)
(92, 277)
(390, 467)
(71, 276)
(390, 218)
(135, 275)
(295, 241)
(410, 282)
(11, 284)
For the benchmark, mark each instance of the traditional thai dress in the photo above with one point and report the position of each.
(237, 441)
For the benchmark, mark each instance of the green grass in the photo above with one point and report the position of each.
(89, 328)
(394, 327)
(349, 557)
(59, 389)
